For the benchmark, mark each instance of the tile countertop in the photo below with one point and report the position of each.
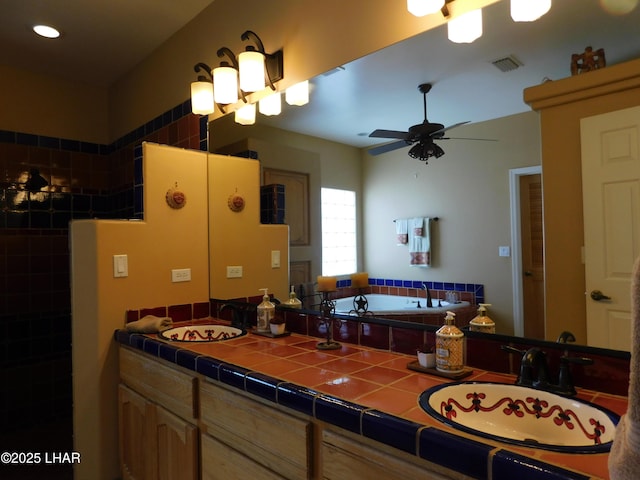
(370, 392)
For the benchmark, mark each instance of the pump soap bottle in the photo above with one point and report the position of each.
(266, 311)
(293, 301)
(450, 347)
(482, 323)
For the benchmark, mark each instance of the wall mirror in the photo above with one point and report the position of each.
(468, 187)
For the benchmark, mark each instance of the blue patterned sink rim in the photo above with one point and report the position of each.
(522, 416)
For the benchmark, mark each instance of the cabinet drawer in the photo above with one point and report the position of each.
(221, 462)
(166, 386)
(277, 440)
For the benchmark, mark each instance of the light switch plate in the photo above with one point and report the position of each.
(120, 266)
(275, 258)
(504, 251)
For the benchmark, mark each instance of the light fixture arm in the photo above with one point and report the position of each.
(273, 61)
(222, 51)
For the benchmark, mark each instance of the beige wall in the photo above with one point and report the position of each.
(468, 188)
(562, 104)
(238, 238)
(167, 239)
(328, 164)
(52, 107)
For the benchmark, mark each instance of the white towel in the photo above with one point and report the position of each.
(417, 226)
(149, 324)
(624, 458)
(420, 245)
(402, 231)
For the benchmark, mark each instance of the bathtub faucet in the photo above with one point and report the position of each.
(429, 302)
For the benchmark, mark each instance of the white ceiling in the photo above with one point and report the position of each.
(104, 39)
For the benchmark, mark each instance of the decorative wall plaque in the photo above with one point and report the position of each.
(176, 198)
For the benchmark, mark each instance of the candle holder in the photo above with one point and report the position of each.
(328, 308)
(360, 304)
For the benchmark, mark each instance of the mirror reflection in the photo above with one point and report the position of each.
(487, 194)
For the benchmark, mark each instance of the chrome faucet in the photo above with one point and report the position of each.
(429, 302)
(534, 371)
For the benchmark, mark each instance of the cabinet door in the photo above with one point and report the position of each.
(136, 447)
(343, 458)
(221, 462)
(177, 447)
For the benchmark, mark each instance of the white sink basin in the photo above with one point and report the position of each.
(201, 333)
(522, 415)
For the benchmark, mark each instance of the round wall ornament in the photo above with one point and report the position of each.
(176, 198)
(235, 202)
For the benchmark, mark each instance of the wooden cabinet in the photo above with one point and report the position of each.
(156, 443)
(344, 458)
(270, 440)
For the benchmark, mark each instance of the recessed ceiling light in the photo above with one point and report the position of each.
(46, 31)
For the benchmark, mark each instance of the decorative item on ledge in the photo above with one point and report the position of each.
(327, 309)
(360, 302)
(176, 198)
(326, 284)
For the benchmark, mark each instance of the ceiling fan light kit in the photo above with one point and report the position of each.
(420, 8)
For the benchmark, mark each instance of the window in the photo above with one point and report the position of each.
(339, 255)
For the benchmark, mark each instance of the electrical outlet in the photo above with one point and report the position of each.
(181, 275)
(234, 271)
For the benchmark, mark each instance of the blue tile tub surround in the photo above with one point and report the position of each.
(466, 456)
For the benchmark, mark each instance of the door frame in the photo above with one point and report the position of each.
(516, 243)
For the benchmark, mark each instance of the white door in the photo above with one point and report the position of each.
(611, 204)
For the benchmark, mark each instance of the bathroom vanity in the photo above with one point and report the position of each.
(256, 407)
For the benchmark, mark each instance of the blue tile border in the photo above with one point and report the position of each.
(466, 456)
(476, 288)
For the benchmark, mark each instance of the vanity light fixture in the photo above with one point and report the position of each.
(466, 28)
(46, 31)
(246, 115)
(225, 78)
(529, 10)
(420, 8)
(271, 104)
(258, 67)
(202, 91)
(298, 94)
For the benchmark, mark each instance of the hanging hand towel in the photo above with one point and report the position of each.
(417, 226)
(420, 245)
(624, 458)
(402, 231)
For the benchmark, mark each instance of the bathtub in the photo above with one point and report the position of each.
(382, 305)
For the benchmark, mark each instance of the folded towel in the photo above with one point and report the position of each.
(149, 324)
(624, 458)
(402, 231)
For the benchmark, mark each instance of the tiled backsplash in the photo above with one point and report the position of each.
(609, 372)
(85, 180)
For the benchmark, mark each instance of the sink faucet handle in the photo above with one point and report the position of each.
(510, 349)
(565, 379)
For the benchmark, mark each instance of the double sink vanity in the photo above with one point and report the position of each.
(252, 406)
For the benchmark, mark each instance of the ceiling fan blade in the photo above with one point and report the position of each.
(442, 130)
(387, 147)
(467, 138)
(389, 134)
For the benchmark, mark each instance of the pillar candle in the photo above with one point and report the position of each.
(326, 284)
(360, 280)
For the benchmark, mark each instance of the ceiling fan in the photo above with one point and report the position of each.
(421, 136)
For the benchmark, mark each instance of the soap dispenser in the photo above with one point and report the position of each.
(266, 311)
(449, 346)
(482, 323)
(293, 301)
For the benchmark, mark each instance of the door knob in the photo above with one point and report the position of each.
(597, 295)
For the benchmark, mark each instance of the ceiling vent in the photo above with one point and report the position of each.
(507, 64)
